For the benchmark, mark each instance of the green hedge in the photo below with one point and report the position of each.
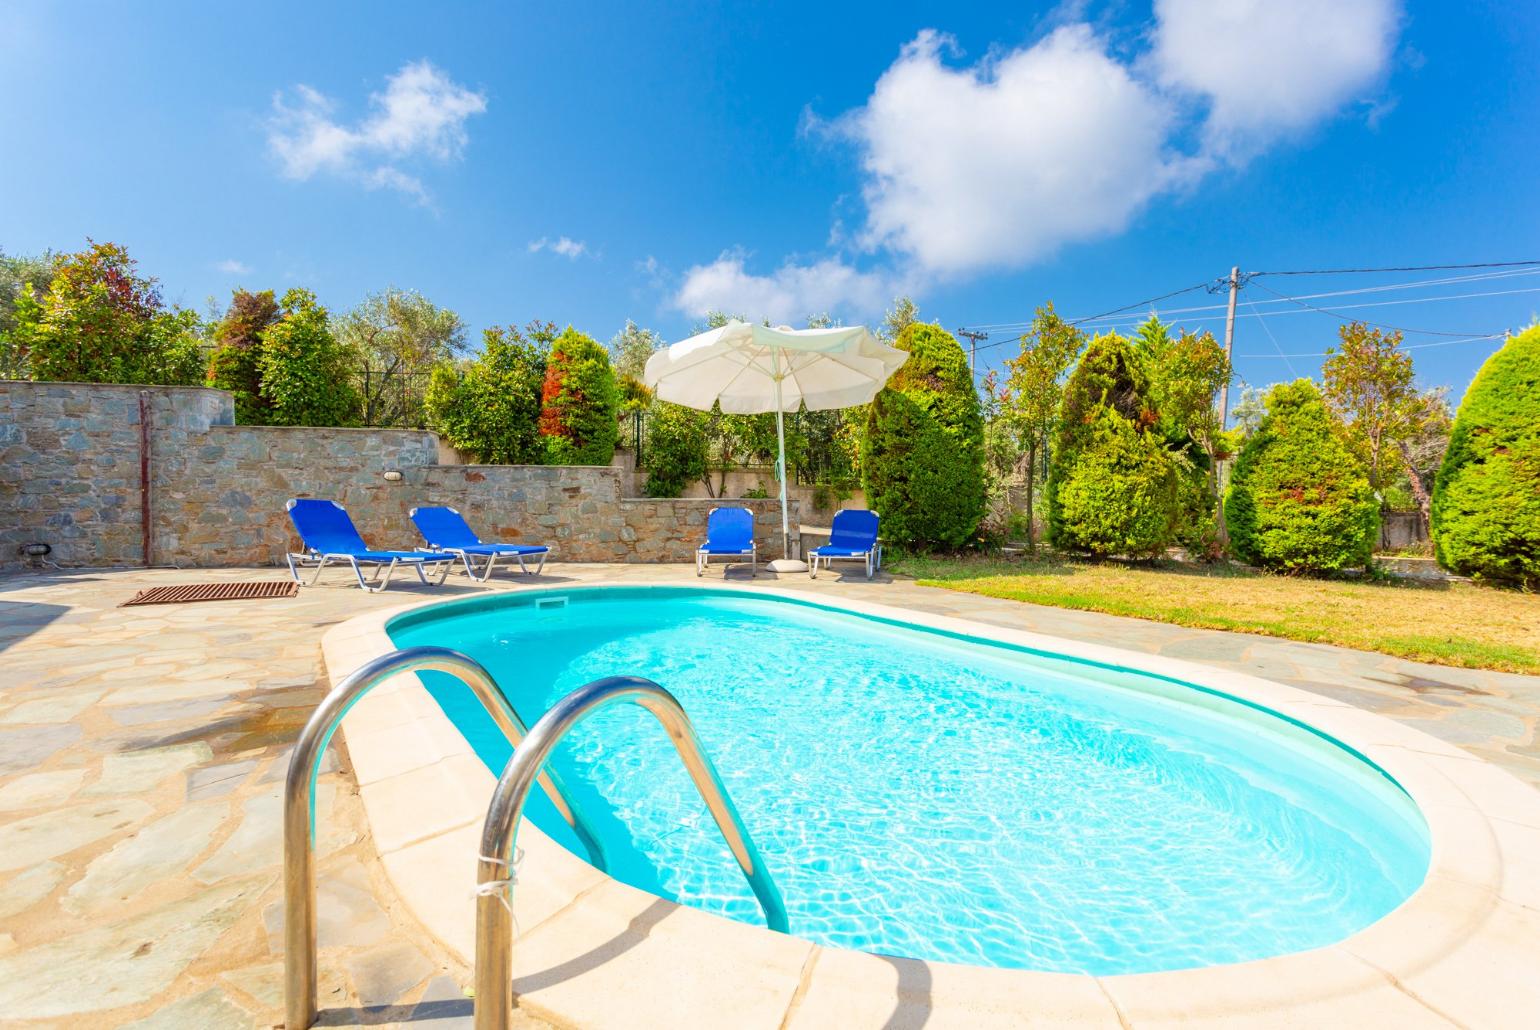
(580, 402)
(1119, 495)
(306, 372)
(100, 321)
(235, 364)
(676, 449)
(1486, 499)
(922, 459)
(490, 407)
(1113, 487)
(1299, 499)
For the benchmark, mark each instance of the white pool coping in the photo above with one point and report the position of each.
(594, 952)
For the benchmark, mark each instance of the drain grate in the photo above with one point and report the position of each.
(213, 592)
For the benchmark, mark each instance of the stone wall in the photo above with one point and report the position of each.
(672, 528)
(1402, 529)
(219, 499)
(740, 481)
(69, 463)
(70, 477)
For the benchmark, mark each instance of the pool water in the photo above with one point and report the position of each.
(935, 797)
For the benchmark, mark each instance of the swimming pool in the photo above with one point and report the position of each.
(936, 797)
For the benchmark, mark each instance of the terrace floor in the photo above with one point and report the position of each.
(142, 752)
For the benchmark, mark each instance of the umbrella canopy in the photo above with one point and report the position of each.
(751, 369)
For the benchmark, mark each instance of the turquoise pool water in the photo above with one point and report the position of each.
(929, 796)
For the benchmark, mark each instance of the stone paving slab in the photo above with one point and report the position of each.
(141, 751)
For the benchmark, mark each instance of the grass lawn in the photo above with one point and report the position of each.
(1447, 623)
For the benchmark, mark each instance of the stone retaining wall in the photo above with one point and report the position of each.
(69, 463)
(1402, 529)
(70, 477)
(219, 499)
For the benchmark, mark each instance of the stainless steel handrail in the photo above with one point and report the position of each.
(299, 802)
(494, 902)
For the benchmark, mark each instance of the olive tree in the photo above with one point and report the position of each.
(399, 337)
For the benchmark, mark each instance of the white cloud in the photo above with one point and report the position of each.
(998, 163)
(1267, 67)
(1004, 161)
(420, 114)
(230, 266)
(389, 177)
(656, 276)
(788, 295)
(563, 245)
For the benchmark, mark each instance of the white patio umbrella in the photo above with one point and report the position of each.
(751, 369)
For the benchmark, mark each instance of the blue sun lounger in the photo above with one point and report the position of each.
(328, 536)
(853, 537)
(446, 531)
(729, 535)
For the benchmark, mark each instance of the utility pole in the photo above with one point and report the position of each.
(1224, 391)
(1224, 404)
(973, 345)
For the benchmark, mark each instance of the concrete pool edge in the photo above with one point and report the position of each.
(1454, 949)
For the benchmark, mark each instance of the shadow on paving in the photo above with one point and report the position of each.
(20, 619)
(380, 1015)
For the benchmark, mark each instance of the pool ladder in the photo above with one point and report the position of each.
(494, 889)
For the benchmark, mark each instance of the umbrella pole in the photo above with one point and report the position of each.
(785, 563)
(780, 439)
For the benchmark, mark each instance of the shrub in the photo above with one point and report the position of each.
(19, 275)
(100, 321)
(173, 341)
(922, 460)
(1110, 374)
(1486, 499)
(676, 448)
(1299, 498)
(1186, 371)
(1033, 395)
(1113, 487)
(1119, 495)
(1196, 529)
(235, 364)
(580, 402)
(306, 372)
(490, 406)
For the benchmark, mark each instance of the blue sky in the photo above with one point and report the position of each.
(589, 163)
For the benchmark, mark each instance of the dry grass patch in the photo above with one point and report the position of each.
(1446, 623)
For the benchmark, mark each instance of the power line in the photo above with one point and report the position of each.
(1171, 313)
(1223, 281)
(1409, 346)
(1306, 309)
(1370, 289)
(1300, 309)
(1377, 325)
(1143, 303)
(1091, 318)
(1018, 329)
(1268, 329)
(1402, 268)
